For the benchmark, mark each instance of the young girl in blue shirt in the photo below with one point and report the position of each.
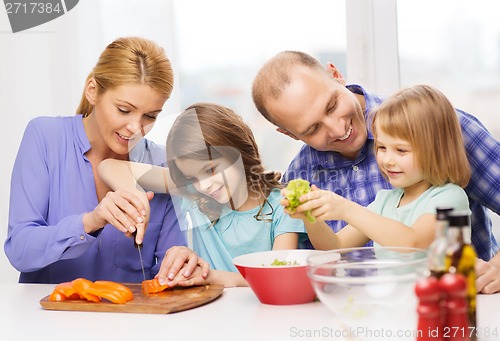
(217, 178)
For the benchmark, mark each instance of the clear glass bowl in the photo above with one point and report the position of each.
(369, 286)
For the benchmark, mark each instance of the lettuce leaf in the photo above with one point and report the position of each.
(295, 189)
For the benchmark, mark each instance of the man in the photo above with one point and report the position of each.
(314, 105)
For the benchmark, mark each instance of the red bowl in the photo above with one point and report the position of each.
(278, 284)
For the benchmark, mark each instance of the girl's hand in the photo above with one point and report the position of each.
(226, 278)
(195, 278)
(487, 277)
(324, 205)
(285, 203)
(180, 264)
(128, 212)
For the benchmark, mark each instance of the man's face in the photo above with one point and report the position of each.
(320, 111)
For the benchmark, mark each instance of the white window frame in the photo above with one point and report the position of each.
(372, 45)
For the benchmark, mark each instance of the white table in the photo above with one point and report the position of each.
(236, 315)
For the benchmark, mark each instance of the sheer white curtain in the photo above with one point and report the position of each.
(42, 72)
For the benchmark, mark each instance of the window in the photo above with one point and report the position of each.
(454, 45)
(221, 44)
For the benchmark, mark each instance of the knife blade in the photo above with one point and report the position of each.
(139, 248)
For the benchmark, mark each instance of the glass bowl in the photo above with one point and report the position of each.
(370, 287)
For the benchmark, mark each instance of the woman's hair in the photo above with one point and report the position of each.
(425, 118)
(206, 131)
(130, 60)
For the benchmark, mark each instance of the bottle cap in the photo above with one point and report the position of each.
(458, 219)
(442, 212)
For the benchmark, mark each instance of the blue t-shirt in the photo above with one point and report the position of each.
(386, 203)
(52, 187)
(238, 232)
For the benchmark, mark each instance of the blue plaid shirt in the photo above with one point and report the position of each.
(359, 180)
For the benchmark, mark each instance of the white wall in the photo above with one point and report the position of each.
(42, 72)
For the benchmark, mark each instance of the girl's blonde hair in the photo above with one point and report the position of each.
(425, 118)
(130, 60)
(206, 131)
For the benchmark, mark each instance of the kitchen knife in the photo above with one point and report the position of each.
(139, 248)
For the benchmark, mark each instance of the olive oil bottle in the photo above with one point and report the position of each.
(461, 258)
(437, 249)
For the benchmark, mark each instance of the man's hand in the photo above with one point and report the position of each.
(487, 277)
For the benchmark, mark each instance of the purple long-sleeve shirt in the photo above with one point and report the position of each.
(52, 187)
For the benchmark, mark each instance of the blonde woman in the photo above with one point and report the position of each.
(64, 221)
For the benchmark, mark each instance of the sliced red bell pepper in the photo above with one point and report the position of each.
(112, 291)
(81, 286)
(57, 296)
(67, 289)
(152, 286)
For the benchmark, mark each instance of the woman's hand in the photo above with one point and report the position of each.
(128, 212)
(179, 264)
(487, 277)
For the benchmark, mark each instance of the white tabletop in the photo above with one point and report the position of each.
(236, 315)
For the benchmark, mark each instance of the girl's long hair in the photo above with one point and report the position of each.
(206, 131)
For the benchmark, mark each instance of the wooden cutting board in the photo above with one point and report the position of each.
(168, 301)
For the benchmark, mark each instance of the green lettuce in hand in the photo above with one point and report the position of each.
(295, 189)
